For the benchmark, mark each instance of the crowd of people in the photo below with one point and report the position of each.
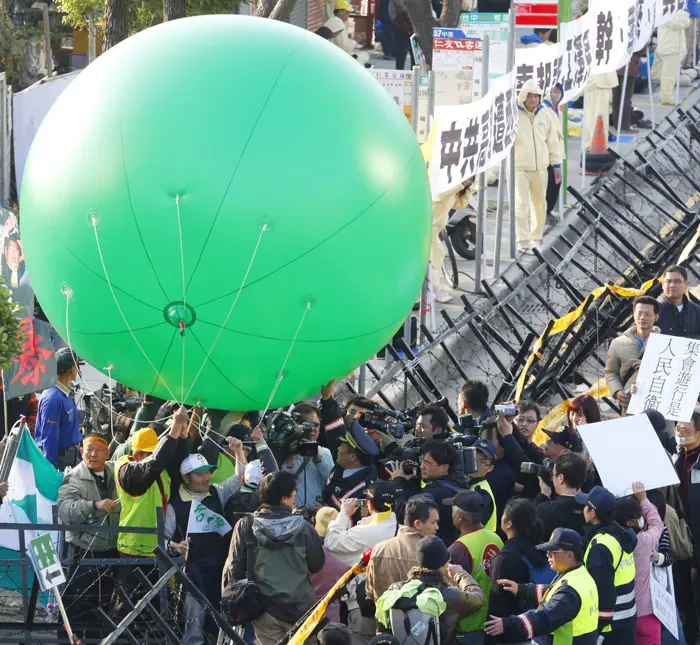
(470, 532)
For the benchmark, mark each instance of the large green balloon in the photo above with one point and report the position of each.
(200, 133)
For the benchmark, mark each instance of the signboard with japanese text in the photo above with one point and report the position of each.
(399, 85)
(423, 93)
(669, 377)
(627, 450)
(536, 13)
(454, 60)
(497, 28)
(663, 597)
(471, 138)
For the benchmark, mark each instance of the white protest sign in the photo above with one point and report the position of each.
(646, 17)
(627, 450)
(204, 520)
(543, 64)
(471, 138)
(663, 597)
(609, 34)
(669, 377)
(578, 43)
(45, 561)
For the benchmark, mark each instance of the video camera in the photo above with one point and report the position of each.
(408, 458)
(485, 429)
(287, 435)
(544, 470)
(466, 455)
(378, 418)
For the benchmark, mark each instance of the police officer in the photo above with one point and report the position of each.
(486, 456)
(609, 558)
(354, 470)
(567, 609)
(57, 430)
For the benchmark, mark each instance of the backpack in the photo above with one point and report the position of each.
(540, 575)
(413, 613)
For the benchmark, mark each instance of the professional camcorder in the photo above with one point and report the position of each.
(407, 457)
(544, 470)
(468, 424)
(287, 435)
(393, 422)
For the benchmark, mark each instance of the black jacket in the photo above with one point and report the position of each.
(516, 451)
(684, 323)
(562, 512)
(509, 565)
(136, 477)
(602, 569)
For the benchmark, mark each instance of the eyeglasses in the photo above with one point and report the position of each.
(528, 420)
(673, 281)
(425, 462)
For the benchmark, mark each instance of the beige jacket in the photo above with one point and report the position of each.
(603, 81)
(672, 36)
(391, 561)
(619, 374)
(537, 139)
(76, 498)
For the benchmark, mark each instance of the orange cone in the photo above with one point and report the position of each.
(598, 159)
(599, 143)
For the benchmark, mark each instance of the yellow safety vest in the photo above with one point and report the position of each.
(140, 511)
(586, 621)
(625, 572)
(491, 522)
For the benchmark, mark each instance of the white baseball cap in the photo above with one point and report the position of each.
(253, 473)
(195, 463)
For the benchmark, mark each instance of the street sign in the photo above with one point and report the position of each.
(496, 27)
(399, 85)
(45, 561)
(454, 61)
(536, 13)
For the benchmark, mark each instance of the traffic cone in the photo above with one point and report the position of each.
(598, 159)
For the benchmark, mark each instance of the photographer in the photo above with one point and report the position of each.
(431, 420)
(564, 511)
(311, 471)
(333, 421)
(354, 470)
(517, 450)
(473, 400)
(437, 462)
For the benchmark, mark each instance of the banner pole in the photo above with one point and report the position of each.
(481, 180)
(503, 167)
(651, 91)
(621, 108)
(564, 16)
(681, 37)
(583, 145)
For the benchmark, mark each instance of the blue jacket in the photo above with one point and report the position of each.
(56, 423)
(693, 9)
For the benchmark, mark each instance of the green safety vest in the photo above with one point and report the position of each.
(140, 511)
(625, 570)
(491, 522)
(484, 546)
(586, 621)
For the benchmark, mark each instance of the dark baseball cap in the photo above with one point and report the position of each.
(335, 634)
(485, 447)
(562, 540)
(381, 492)
(599, 499)
(469, 501)
(66, 359)
(567, 438)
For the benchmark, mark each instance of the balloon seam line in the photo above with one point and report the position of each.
(230, 311)
(240, 159)
(121, 313)
(184, 297)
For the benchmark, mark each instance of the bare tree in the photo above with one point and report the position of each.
(116, 19)
(173, 9)
(419, 11)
